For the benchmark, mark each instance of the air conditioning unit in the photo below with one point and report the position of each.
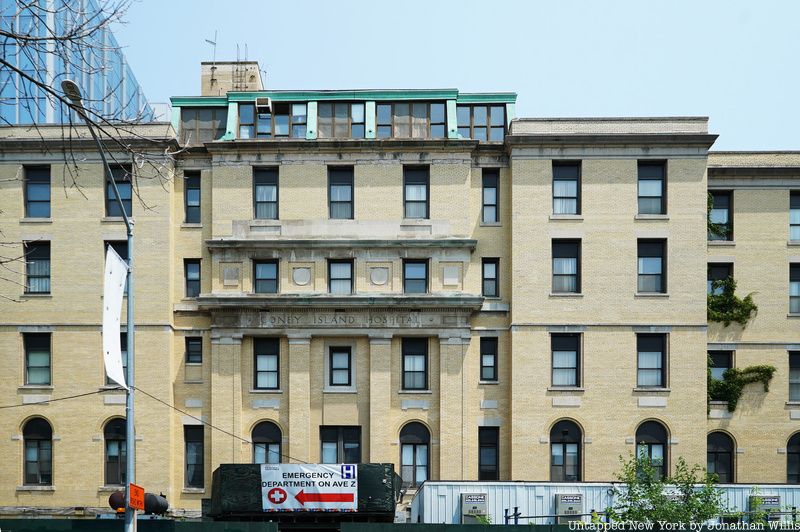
(569, 507)
(263, 105)
(473, 508)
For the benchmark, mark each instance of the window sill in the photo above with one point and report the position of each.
(264, 222)
(35, 387)
(343, 390)
(111, 388)
(793, 315)
(659, 217)
(654, 389)
(566, 217)
(490, 224)
(259, 390)
(415, 221)
(187, 225)
(113, 219)
(36, 488)
(193, 490)
(577, 295)
(651, 294)
(35, 220)
(489, 383)
(110, 489)
(37, 296)
(567, 389)
(793, 243)
(790, 403)
(722, 243)
(414, 392)
(193, 382)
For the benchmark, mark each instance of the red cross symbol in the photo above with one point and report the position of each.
(276, 495)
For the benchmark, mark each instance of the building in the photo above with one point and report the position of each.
(109, 86)
(407, 276)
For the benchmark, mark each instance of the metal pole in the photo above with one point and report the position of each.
(130, 440)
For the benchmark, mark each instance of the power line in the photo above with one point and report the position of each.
(46, 401)
(204, 422)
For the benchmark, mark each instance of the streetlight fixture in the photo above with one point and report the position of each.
(73, 92)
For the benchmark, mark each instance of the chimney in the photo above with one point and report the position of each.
(220, 77)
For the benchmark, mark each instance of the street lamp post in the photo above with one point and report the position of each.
(73, 92)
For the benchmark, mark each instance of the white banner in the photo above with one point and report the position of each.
(309, 487)
(113, 288)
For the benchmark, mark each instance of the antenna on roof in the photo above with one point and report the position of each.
(214, 44)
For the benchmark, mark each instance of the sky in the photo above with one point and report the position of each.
(737, 62)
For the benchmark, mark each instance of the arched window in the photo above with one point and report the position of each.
(565, 452)
(414, 451)
(266, 443)
(114, 434)
(793, 460)
(720, 456)
(38, 435)
(651, 443)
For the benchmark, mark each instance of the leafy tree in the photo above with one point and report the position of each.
(689, 496)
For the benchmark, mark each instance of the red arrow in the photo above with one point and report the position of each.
(304, 497)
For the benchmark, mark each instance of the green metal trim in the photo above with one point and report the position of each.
(232, 127)
(176, 118)
(487, 97)
(452, 120)
(511, 114)
(311, 121)
(370, 124)
(199, 101)
(375, 95)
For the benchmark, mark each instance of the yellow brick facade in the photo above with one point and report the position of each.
(523, 403)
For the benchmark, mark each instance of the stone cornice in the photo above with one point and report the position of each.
(347, 243)
(622, 139)
(335, 145)
(383, 302)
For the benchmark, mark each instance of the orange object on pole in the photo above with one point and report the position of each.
(137, 497)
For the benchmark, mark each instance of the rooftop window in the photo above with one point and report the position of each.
(415, 120)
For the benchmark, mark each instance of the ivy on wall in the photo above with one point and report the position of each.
(724, 306)
(734, 380)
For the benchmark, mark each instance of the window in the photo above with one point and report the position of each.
(38, 460)
(123, 344)
(651, 187)
(491, 286)
(121, 249)
(195, 467)
(794, 376)
(37, 267)
(194, 350)
(651, 445)
(794, 288)
(491, 204)
(203, 124)
(566, 187)
(717, 271)
(652, 358)
(794, 216)
(340, 445)
(418, 120)
(721, 361)
(481, 122)
(283, 120)
(415, 192)
(720, 457)
(793, 459)
(488, 455)
(565, 452)
(265, 193)
(37, 191)
(489, 359)
(266, 439)
(37, 358)
(340, 276)
(415, 363)
(340, 193)
(566, 349)
(415, 440)
(722, 215)
(266, 276)
(340, 120)
(114, 434)
(415, 276)
(652, 278)
(122, 178)
(192, 271)
(340, 366)
(566, 266)
(191, 197)
(266, 363)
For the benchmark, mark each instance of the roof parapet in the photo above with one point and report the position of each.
(691, 125)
